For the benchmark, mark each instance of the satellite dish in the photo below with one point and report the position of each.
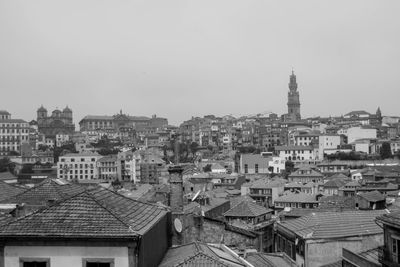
(196, 195)
(178, 225)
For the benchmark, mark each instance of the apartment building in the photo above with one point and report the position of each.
(13, 132)
(78, 166)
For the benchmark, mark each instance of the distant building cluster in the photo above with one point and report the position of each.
(248, 191)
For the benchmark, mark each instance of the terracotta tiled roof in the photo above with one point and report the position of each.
(8, 191)
(353, 183)
(297, 198)
(267, 183)
(336, 183)
(334, 224)
(95, 213)
(269, 260)
(373, 196)
(338, 176)
(7, 176)
(247, 209)
(201, 260)
(313, 173)
(49, 189)
(391, 218)
(198, 254)
(334, 264)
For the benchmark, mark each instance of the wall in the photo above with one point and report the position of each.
(322, 251)
(212, 231)
(355, 133)
(327, 142)
(154, 244)
(62, 256)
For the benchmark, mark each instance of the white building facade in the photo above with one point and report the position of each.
(78, 166)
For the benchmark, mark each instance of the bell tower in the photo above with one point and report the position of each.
(293, 99)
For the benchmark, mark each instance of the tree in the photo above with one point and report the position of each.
(386, 151)
(289, 166)
(4, 164)
(42, 147)
(207, 168)
(27, 168)
(194, 147)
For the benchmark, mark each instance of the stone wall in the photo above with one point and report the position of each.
(213, 231)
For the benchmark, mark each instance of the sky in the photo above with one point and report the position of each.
(184, 58)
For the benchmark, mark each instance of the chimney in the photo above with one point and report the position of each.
(176, 150)
(176, 186)
(176, 204)
(20, 210)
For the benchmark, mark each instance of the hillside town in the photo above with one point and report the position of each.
(257, 190)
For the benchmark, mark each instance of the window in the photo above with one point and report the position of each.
(246, 168)
(256, 168)
(395, 249)
(98, 262)
(34, 262)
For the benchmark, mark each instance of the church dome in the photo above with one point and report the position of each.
(67, 110)
(41, 109)
(56, 112)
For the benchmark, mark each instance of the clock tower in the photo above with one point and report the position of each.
(293, 100)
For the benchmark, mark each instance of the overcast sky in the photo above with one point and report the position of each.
(183, 58)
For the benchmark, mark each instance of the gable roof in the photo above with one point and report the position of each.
(265, 183)
(373, 196)
(299, 173)
(338, 176)
(334, 224)
(198, 254)
(260, 259)
(297, 198)
(7, 176)
(95, 213)
(336, 183)
(391, 218)
(8, 191)
(201, 259)
(247, 209)
(49, 189)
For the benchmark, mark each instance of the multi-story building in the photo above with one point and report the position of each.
(119, 121)
(265, 191)
(328, 143)
(254, 163)
(389, 254)
(61, 139)
(356, 133)
(60, 122)
(79, 167)
(108, 168)
(318, 238)
(296, 153)
(13, 133)
(129, 166)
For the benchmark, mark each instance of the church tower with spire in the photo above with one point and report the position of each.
(293, 100)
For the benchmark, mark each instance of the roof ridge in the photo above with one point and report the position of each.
(135, 200)
(109, 211)
(200, 254)
(42, 208)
